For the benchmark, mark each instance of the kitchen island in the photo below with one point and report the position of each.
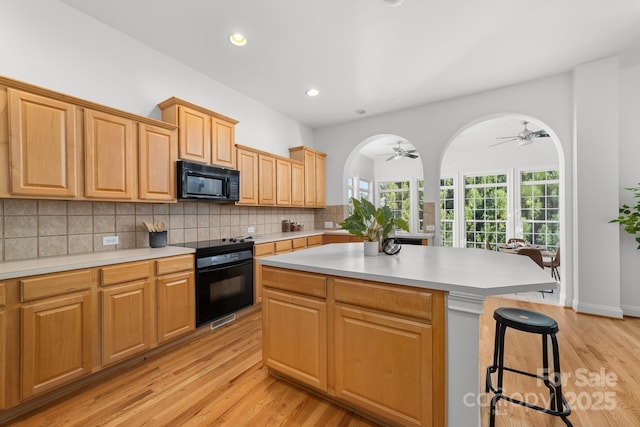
(396, 337)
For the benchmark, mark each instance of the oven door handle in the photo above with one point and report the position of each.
(218, 267)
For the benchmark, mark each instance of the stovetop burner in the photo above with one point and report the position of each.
(219, 246)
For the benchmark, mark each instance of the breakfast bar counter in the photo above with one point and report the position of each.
(426, 300)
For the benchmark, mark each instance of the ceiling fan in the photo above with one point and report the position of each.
(524, 138)
(399, 152)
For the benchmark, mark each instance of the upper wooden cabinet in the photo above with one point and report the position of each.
(157, 154)
(54, 146)
(223, 135)
(109, 156)
(42, 145)
(297, 184)
(314, 175)
(283, 182)
(248, 167)
(203, 135)
(266, 180)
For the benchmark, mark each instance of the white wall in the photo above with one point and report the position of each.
(597, 243)
(49, 44)
(362, 166)
(541, 154)
(397, 169)
(629, 176)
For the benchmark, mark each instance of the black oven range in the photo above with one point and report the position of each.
(224, 277)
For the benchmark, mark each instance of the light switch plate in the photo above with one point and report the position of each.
(431, 228)
(251, 229)
(110, 240)
(328, 224)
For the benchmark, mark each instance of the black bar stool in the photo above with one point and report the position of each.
(536, 323)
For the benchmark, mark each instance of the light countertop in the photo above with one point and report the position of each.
(472, 271)
(30, 267)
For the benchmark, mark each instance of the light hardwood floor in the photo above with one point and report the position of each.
(218, 379)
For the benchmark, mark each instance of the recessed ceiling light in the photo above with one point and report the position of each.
(237, 39)
(361, 111)
(312, 92)
(394, 3)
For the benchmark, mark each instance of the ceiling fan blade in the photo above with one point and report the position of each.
(412, 156)
(540, 134)
(391, 158)
(507, 137)
(411, 151)
(502, 142)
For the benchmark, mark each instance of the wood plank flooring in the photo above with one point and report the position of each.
(218, 380)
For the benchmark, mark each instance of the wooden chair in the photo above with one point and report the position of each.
(489, 247)
(536, 256)
(553, 264)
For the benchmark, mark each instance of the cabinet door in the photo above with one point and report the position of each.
(383, 364)
(109, 156)
(266, 180)
(248, 167)
(176, 306)
(42, 146)
(295, 336)
(321, 200)
(127, 312)
(309, 179)
(297, 184)
(157, 153)
(194, 136)
(3, 346)
(260, 250)
(57, 342)
(283, 182)
(223, 152)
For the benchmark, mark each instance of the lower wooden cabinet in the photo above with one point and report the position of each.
(340, 238)
(295, 336)
(57, 342)
(3, 345)
(59, 327)
(176, 305)
(383, 364)
(126, 320)
(375, 347)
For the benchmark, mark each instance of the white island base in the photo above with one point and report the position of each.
(466, 276)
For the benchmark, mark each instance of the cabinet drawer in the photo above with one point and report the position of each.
(299, 243)
(3, 298)
(314, 240)
(314, 285)
(391, 299)
(125, 272)
(263, 249)
(174, 264)
(54, 284)
(283, 246)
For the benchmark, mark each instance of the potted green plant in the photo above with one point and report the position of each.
(371, 223)
(629, 217)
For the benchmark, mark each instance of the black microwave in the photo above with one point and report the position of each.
(198, 181)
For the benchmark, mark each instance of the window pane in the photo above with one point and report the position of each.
(540, 207)
(446, 211)
(485, 210)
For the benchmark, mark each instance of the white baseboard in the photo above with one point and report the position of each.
(630, 310)
(600, 310)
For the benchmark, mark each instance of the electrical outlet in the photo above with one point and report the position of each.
(110, 240)
(251, 229)
(431, 228)
(328, 224)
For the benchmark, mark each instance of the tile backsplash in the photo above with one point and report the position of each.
(39, 228)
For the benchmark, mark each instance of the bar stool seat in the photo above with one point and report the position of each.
(535, 323)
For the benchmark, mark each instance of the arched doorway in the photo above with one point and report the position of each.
(494, 187)
(387, 169)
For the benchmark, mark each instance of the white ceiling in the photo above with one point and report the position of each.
(363, 54)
